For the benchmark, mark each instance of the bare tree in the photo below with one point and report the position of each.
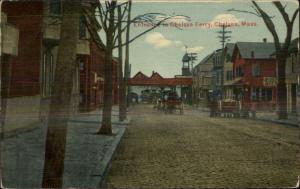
(121, 79)
(281, 48)
(127, 67)
(109, 25)
(61, 96)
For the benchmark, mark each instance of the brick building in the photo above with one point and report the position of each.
(31, 38)
(254, 74)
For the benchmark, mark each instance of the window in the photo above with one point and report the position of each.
(229, 75)
(239, 71)
(261, 94)
(47, 75)
(255, 94)
(81, 64)
(82, 28)
(55, 7)
(256, 71)
(266, 94)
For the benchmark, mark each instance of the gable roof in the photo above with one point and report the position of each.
(206, 59)
(229, 49)
(156, 75)
(140, 76)
(262, 50)
(156, 79)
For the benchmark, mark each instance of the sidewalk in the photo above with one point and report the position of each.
(87, 155)
(293, 120)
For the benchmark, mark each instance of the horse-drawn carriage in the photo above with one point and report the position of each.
(169, 103)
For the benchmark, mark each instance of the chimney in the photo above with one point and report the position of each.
(264, 40)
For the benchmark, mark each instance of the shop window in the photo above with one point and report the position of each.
(266, 94)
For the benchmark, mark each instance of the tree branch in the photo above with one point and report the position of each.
(141, 34)
(270, 25)
(285, 16)
(294, 16)
(244, 11)
(101, 13)
(93, 26)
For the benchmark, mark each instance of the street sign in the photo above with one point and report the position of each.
(270, 81)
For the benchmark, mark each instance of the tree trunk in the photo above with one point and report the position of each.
(127, 75)
(281, 88)
(5, 77)
(61, 97)
(5, 86)
(107, 105)
(122, 92)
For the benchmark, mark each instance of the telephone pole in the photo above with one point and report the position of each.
(224, 35)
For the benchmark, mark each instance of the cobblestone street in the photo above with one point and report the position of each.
(194, 150)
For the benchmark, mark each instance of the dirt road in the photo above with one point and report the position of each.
(194, 150)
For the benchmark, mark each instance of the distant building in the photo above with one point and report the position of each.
(156, 83)
(292, 76)
(217, 74)
(228, 80)
(202, 80)
(186, 71)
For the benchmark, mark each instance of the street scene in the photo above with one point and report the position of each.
(149, 94)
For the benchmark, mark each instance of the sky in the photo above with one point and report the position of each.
(162, 49)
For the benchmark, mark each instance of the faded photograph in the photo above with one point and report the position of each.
(149, 94)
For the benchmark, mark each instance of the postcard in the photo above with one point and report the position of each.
(149, 94)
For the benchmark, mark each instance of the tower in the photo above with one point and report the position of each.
(186, 65)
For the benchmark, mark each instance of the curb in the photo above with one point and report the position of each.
(125, 122)
(278, 122)
(106, 162)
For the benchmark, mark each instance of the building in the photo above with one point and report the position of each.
(202, 80)
(292, 76)
(254, 74)
(228, 72)
(186, 72)
(31, 39)
(156, 83)
(217, 74)
(20, 81)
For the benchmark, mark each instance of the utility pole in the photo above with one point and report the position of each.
(192, 57)
(224, 35)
